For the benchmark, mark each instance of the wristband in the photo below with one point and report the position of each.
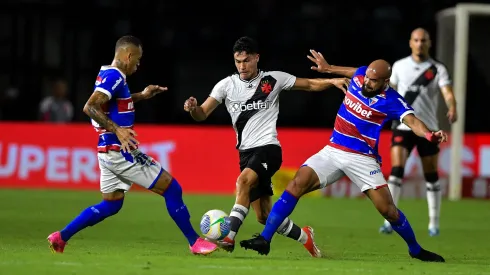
(430, 136)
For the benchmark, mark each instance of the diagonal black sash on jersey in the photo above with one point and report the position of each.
(266, 86)
(423, 80)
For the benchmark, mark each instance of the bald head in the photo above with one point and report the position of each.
(420, 44)
(379, 69)
(420, 32)
(376, 79)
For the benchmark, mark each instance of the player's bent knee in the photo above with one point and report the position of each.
(244, 184)
(161, 183)
(432, 177)
(389, 212)
(303, 182)
(113, 196)
(397, 171)
(248, 178)
(297, 187)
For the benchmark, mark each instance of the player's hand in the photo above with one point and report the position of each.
(452, 115)
(152, 90)
(321, 64)
(437, 137)
(190, 104)
(341, 83)
(126, 137)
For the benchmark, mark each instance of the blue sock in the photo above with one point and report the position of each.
(91, 216)
(281, 210)
(178, 211)
(403, 228)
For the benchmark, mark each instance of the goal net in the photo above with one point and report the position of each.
(463, 45)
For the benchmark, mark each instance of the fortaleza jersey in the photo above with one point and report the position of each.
(119, 109)
(360, 119)
(253, 106)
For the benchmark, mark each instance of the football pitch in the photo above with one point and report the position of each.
(142, 239)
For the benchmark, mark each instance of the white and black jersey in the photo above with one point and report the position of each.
(420, 85)
(253, 106)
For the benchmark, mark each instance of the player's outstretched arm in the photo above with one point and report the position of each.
(323, 67)
(149, 92)
(421, 130)
(320, 84)
(200, 113)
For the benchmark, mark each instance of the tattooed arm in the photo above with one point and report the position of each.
(93, 108)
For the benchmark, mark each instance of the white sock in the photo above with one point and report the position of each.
(285, 227)
(394, 184)
(434, 197)
(303, 238)
(237, 215)
(289, 229)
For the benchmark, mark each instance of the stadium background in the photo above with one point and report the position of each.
(187, 47)
(189, 50)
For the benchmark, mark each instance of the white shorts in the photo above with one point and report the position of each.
(331, 164)
(118, 172)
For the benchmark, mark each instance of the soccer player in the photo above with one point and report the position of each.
(251, 97)
(420, 79)
(353, 152)
(111, 108)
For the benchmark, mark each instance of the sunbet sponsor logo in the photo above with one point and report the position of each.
(236, 107)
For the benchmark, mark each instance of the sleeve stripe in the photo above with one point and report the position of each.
(102, 90)
(404, 114)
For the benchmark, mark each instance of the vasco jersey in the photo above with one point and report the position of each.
(253, 106)
(119, 109)
(419, 84)
(360, 119)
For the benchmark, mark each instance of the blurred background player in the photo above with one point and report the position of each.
(353, 152)
(56, 107)
(420, 80)
(251, 96)
(111, 108)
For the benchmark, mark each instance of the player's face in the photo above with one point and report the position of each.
(373, 86)
(134, 57)
(420, 43)
(246, 64)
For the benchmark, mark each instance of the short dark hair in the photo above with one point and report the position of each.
(128, 40)
(246, 44)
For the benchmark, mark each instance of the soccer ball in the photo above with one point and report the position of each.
(215, 225)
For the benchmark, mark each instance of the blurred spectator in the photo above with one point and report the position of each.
(56, 107)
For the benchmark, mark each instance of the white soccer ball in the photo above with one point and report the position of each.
(215, 225)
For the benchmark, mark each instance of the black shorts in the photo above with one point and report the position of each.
(408, 140)
(265, 161)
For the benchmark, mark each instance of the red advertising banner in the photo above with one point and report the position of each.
(202, 158)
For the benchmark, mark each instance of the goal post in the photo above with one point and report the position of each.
(453, 30)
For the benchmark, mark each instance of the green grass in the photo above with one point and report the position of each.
(142, 239)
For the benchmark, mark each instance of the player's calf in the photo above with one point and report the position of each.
(88, 217)
(170, 189)
(245, 182)
(288, 228)
(383, 202)
(434, 198)
(394, 184)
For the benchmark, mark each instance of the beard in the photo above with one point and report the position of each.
(370, 94)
